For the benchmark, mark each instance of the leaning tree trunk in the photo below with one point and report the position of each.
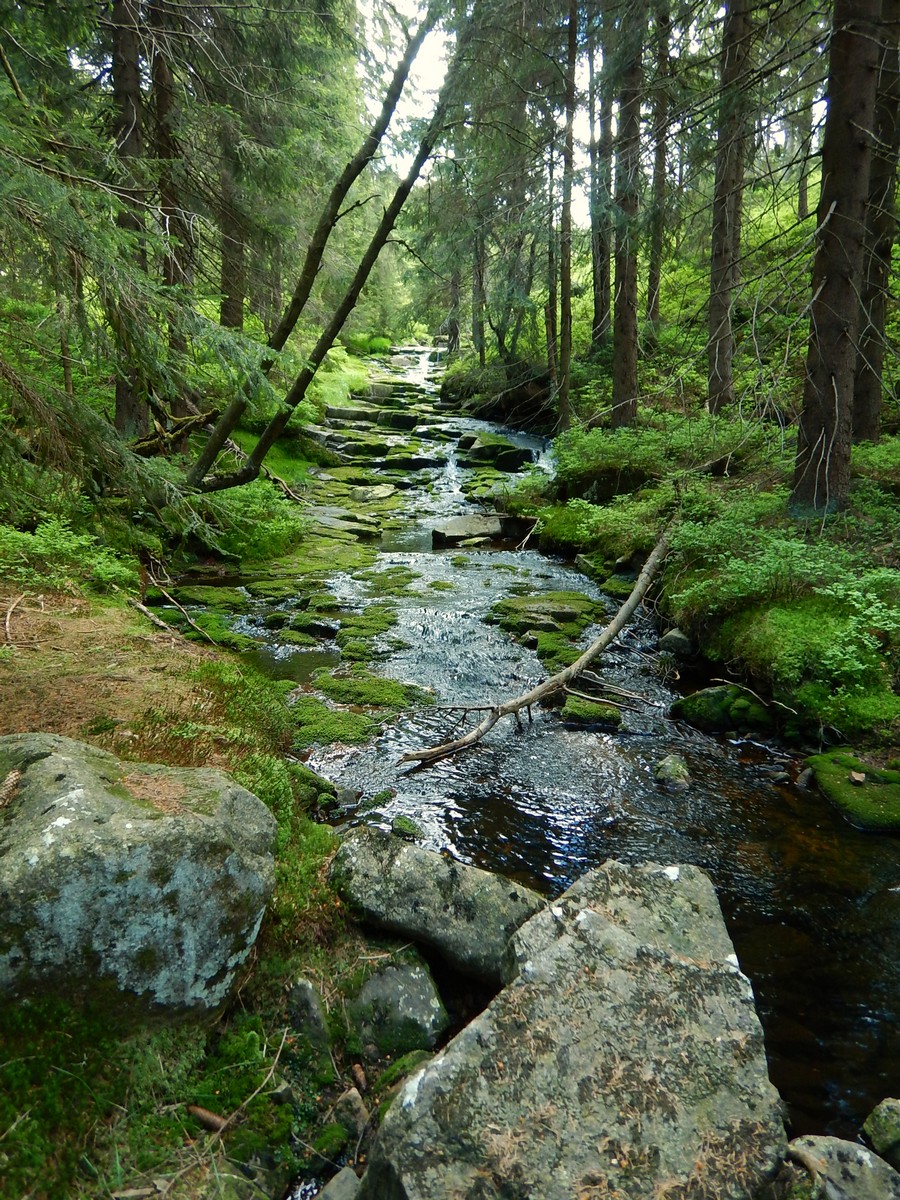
(729, 182)
(822, 469)
(131, 412)
(348, 302)
(315, 251)
(628, 166)
(563, 401)
(881, 228)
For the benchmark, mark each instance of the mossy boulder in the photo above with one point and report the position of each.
(571, 612)
(399, 1010)
(494, 450)
(723, 707)
(577, 711)
(882, 1128)
(867, 796)
(124, 879)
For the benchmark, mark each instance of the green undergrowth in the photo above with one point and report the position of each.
(808, 613)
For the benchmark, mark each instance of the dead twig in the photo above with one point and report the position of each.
(193, 624)
(9, 613)
(152, 617)
(556, 682)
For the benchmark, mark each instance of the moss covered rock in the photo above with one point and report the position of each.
(144, 881)
(867, 796)
(723, 707)
(577, 711)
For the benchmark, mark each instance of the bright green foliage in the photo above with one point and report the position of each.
(361, 687)
(56, 558)
(618, 529)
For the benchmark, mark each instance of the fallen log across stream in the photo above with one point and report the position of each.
(555, 683)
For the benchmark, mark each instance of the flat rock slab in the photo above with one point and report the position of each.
(625, 1061)
(146, 880)
(461, 529)
(842, 1170)
(466, 914)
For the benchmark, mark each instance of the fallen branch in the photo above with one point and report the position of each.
(556, 682)
(9, 613)
(155, 620)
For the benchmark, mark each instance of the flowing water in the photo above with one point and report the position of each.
(812, 905)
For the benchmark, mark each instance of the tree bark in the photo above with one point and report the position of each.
(735, 60)
(557, 682)
(822, 469)
(565, 228)
(453, 336)
(881, 228)
(600, 201)
(232, 247)
(131, 413)
(551, 308)
(628, 166)
(660, 135)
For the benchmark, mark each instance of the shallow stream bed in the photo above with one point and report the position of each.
(813, 905)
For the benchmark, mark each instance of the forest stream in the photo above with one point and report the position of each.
(813, 905)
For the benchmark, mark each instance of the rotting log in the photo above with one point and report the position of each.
(555, 683)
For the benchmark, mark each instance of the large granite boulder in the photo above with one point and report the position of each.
(625, 1059)
(466, 914)
(144, 882)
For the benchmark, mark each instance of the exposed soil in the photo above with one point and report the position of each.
(85, 668)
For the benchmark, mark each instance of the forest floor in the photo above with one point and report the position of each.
(67, 664)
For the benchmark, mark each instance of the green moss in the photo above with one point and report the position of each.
(723, 707)
(295, 637)
(556, 651)
(442, 585)
(212, 627)
(361, 687)
(391, 581)
(223, 599)
(460, 561)
(618, 586)
(399, 1070)
(871, 804)
(319, 724)
(406, 828)
(330, 1142)
(590, 712)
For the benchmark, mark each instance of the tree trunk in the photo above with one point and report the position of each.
(551, 327)
(735, 60)
(453, 338)
(881, 228)
(565, 228)
(233, 278)
(600, 155)
(822, 470)
(131, 413)
(660, 135)
(177, 261)
(478, 269)
(628, 166)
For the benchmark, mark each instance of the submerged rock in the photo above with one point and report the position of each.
(625, 1059)
(466, 914)
(672, 773)
(146, 880)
